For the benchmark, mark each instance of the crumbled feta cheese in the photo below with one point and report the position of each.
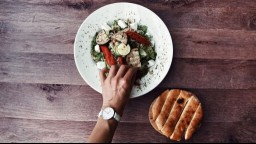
(101, 65)
(151, 63)
(152, 42)
(122, 24)
(106, 27)
(97, 48)
(134, 26)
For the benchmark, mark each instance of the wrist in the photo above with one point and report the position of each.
(109, 125)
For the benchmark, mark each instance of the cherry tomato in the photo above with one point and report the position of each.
(137, 37)
(108, 55)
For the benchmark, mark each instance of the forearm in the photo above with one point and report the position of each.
(103, 131)
(116, 89)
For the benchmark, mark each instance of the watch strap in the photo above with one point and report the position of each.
(100, 113)
(117, 117)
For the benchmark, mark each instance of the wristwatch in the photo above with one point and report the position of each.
(109, 113)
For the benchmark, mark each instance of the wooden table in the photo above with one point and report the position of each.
(44, 99)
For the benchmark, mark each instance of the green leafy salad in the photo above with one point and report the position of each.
(124, 42)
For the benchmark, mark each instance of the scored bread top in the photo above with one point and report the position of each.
(176, 113)
(185, 118)
(194, 122)
(168, 104)
(159, 104)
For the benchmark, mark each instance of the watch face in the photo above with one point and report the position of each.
(108, 113)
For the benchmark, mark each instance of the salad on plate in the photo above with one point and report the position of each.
(124, 41)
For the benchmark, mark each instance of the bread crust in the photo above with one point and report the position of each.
(158, 104)
(180, 114)
(194, 124)
(185, 119)
(170, 101)
(175, 113)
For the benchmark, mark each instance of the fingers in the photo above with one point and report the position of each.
(122, 70)
(103, 75)
(112, 71)
(130, 73)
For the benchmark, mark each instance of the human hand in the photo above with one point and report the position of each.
(117, 86)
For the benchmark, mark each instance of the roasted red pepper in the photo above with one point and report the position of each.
(108, 55)
(120, 60)
(137, 37)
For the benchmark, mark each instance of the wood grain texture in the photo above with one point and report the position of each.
(79, 103)
(217, 74)
(214, 44)
(22, 130)
(57, 38)
(184, 73)
(52, 31)
(44, 99)
(193, 14)
(39, 68)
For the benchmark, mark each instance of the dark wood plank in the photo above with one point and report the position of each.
(218, 74)
(206, 15)
(53, 102)
(33, 131)
(79, 103)
(22, 130)
(39, 68)
(184, 73)
(163, 4)
(209, 18)
(51, 31)
(58, 38)
(208, 132)
(214, 44)
(28, 37)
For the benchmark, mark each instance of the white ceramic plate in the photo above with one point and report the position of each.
(163, 44)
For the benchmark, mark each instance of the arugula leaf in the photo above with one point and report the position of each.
(95, 55)
(142, 29)
(143, 69)
(115, 26)
(93, 43)
(151, 54)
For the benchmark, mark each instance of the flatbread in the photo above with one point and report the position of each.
(176, 114)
